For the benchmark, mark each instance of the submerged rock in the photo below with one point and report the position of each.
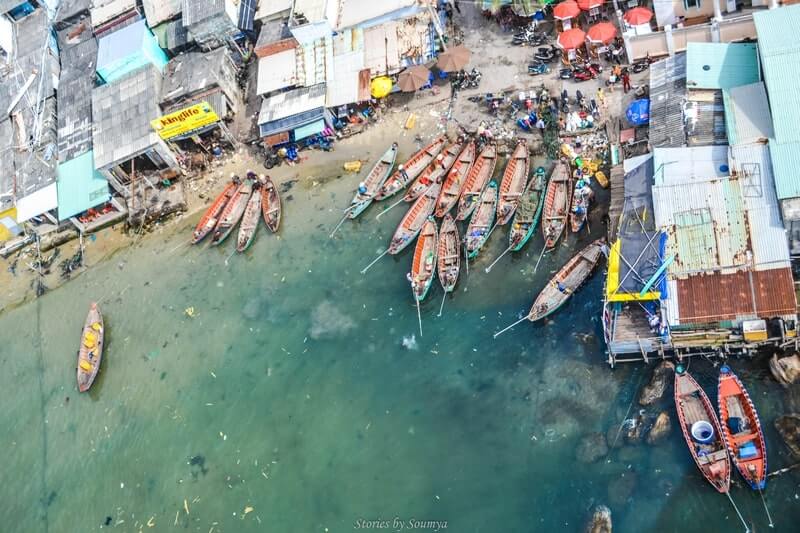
(601, 520)
(591, 448)
(789, 428)
(633, 429)
(653, 391)
(614, 437)
(661, 428)
(328, 321)
(621, 488)
(786, 369)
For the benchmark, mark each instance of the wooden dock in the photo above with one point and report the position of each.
(617, 180)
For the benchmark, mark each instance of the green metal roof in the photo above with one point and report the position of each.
(785, 165)
(80, 186)
(779, 46)
(721, 66)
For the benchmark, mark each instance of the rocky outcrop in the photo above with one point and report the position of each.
(591, 448)
(634, 429)
(661, 428)
(788, 427)
(601, 520)
(786, 369)
(653, 391)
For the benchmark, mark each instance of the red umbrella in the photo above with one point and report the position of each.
(586, 5)
(571, 39)
(602, 32)
(638, 15)
(566, 10)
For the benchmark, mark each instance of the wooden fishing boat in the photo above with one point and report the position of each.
(696, 416)
(481, 222)
(556, 205)
(477, 178)
(423, 269)
(91, 351)
(579, 212)
(434, 172)
(250, 220)
(372, 183)
(270, 204)
(232, 213)
(412, 222)
(566, 281)
(449, 253)
(741, 429)
(451, 189)
(515, 180)
(211, 216)
(411, 169)
(528, 212)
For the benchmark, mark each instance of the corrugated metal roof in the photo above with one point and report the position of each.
(780, 55)
(158, 11)
(291, 103)
(704, 115)
(716, 297)
(667, 98)
(369, 12)
(312, 10)
(747, 116)
(752, 165)
(277, 71)
(267, 8)
(674, 166)
(104, 10)
(381, 53)
(721, 65)
(785, 165)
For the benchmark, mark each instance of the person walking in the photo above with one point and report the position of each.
(601, 97)
(626, 81)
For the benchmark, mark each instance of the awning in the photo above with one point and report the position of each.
(80, 186)
(38, 203)
(309, 129)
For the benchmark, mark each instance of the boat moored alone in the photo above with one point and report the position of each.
(515, 180)
(250, 220)
(556, 205)
(477, 178)
(411, 169)
(412, 222)
(741, 429)
(233, 212)
(528, 212)
(423, 269)
(211, 215)
(481, 222)
(451, 188)
(370, 185)
(270, 204)
(701, 430)
(90, 354)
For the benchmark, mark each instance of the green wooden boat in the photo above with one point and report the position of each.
(528, 213)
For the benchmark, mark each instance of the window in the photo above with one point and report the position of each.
(691, 4)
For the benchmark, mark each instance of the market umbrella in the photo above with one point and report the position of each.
(413, 78)
(586, 5)
(638, 15)
(602, 32)
(380, 86)
(454, 59)
(566, 10)
(571, 39)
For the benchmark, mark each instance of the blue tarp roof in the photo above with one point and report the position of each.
(80, 186)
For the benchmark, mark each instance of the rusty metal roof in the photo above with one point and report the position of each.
(716, 297)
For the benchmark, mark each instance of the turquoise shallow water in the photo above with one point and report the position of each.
(292, 392)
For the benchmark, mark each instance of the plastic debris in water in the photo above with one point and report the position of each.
(410, 343)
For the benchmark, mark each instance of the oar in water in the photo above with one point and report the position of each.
(444, 297)
(346, 211)
(544, 249)
(765, 506)
(489, 268)
(398, 202)
(746, 527)
(226, 259)
(364, 271)
(518, 322)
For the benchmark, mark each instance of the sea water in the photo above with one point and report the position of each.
(301, 397)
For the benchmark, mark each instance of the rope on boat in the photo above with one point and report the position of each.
(763, 501)
(746, 527)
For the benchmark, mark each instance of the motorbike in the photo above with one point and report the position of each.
(566, 74)
(564, 101)
(594, 109)
(580, 99)
(534, 69)
(641, 65)
(546, 54)
(582, 74)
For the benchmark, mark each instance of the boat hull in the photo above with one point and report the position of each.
(90, 353)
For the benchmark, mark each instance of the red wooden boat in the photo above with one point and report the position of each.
(742, 429)
(413, 167)
(515, 179)
(556, 205)
(412, 222)
(701, 430)
(91, 351)
(211, 216)
(270, 204)
(477, 178)
(451, 189)
(435, 171)
(423, 268)
(232, 213)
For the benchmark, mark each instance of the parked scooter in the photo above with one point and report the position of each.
(566, 74)
(546, 54)
(535, 69)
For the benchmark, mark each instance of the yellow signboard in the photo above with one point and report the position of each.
(184, 120)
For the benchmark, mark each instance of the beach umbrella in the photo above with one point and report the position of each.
(637, 16)
(380, 86)
(638, 113)
(571, 39)
(454, 59)
(413, 78)
(566, 10)
(602, 32)
(587, 5)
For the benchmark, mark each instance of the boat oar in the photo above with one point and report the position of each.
(489, 268)
(746, 527)
(339, 225)
(226, 259)
(364, 271)
(419, 316)
(761, 493)
(444, 297)
(398, 202)
(544, 249)
(518, 322)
